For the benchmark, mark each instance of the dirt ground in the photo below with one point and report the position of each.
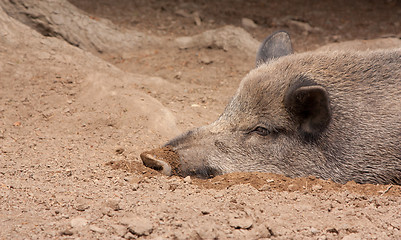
(74, 119)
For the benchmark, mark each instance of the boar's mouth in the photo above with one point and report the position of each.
(204, 172)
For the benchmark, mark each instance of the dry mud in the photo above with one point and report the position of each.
(77, 110)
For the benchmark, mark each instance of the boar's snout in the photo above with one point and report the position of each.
(151, 161)
(164, 160)
(167, 161)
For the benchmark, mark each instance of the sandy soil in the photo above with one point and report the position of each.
(73, 122)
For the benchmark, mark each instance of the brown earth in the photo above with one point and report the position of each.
(78, 107)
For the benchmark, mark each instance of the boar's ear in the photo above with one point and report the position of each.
(309, 106)
(275, 46)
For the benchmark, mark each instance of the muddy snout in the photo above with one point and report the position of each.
(163, 160)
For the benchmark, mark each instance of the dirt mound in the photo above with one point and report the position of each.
(266, 181)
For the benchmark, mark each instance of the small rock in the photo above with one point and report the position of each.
(81, 204)
(113, 204)
(332, 230)
(106, 211)
(265, 187)
(205, 211)
(187, 179)
(197, 18)
(81, 207)
(138, 225)
(135, 187)
(292, 187)
(184, 42)
(141, 228)
(129, 235)
(352, 236)
(173, 187)
(66, 233)
(206, 232)
(78, 222)
(241, 223)
(317, 187)
(248, 23)
(219, 195)
(97, 229)
(120, 230)
(68, 173)
(178, 75)
(314, 230)
(206, 60)
(263, 231)
(119, 150)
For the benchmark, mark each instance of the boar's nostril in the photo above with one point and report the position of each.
(150, 161)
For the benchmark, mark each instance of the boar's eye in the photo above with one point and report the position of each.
(261, 131)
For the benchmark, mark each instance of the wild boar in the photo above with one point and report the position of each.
(334, 115)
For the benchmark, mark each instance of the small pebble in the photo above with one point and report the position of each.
(263, 231)
(206, 232)
(119, 150)
(66, 233)
(314, 230)
(317, 187)
(206, 60)
(129, 235)
(265, 187)
(178, 75)
(97, 229)
(113, 204)
(120, 230)
(138, 225)
(135, 187)
(241, 223)
(78, 222)
(205, 211)
(81, 204)
(352, 236)
(248, 23)
(219, 195)
(292, 187)
(187, 179)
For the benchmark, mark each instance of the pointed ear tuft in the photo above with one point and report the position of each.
(273, 47)
(309, 106)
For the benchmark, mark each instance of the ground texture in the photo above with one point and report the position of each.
(86, 86)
